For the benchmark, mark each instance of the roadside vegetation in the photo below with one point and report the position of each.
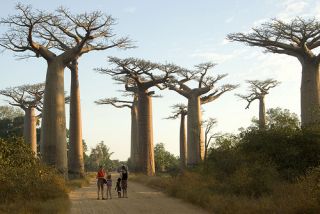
(27, 185)
(275, 170)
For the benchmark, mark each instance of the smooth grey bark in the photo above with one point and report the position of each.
(310, 93)
(135, 148)
(195, 145)
(30, 129)
(53, 144)
(183, 142)
(145, 130)
(262, 113)
(75, 153)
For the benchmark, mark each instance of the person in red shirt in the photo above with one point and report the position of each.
(100, 182)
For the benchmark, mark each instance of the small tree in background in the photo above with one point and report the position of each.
(208, 124)
(257, 91)
(164, 160)
(11, 122)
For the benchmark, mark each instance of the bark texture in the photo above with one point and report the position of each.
(262, 113)
(53, 145)
(135, 148)
(30, 129)
(194, 132)
(146, 132)
(183, 142)
(75, 153)
(310, 94)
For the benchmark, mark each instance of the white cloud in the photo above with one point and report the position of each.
(216, 57)
(293, 8)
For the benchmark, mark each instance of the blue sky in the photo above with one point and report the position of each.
(183, 32)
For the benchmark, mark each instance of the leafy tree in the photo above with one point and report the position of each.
(11, 122)
(277, 118)
(100, 155)
(164, 160)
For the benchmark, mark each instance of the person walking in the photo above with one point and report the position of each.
(100, 181)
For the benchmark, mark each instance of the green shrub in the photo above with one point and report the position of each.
(23, 177)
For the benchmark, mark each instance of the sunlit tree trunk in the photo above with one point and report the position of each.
(76, 163)
(134, 135)
(195, 144)
(183, 142)
(310, 93)
(145, 131)
(30, 129)
(53, 128)
(262, 113)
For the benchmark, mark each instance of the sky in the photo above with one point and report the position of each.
(183, 32)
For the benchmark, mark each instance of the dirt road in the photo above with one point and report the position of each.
(141, 199)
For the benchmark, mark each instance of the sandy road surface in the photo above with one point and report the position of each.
(141, 199)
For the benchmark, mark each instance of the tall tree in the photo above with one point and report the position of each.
(141, 72)
(38, 32)
(298, 38)
(181, 109)
(29, 98)
(257, 91)
(103, 39)
(132, 105)
(203, 93)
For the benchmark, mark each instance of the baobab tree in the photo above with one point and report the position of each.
(203, 93)
(298, 38)
(132, 105)
(29, 98)
(181, 110)
(39, 32)
(257, 91)
(143, 74)
(64, 41)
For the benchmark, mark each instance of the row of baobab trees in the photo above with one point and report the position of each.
(61, 38)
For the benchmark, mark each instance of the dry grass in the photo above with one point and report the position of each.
(53, 206)
(302, 196)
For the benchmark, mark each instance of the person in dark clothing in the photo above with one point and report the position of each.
(118, 187)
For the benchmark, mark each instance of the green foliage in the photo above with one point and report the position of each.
(100, 155)
(23, 177)
(164, 160)
(277, 118)
(9, 112)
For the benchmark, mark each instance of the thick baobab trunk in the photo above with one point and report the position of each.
(145, 131)
(310, 94)
(262, 114)
(53, 128)
(134, 135)
(183, 142)
(195, 142)
(30, 129)
(75, 153)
